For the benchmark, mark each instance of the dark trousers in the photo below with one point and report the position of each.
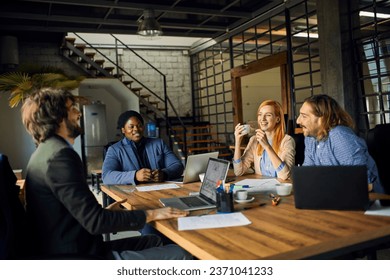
(136, 243)
(149, 230)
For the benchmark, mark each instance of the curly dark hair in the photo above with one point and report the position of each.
(43, 111)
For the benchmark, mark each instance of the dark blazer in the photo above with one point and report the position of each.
(63, 213)
(121, 161)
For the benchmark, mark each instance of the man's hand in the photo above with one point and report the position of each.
(158, 176)
(143, 175)
(164, 213)
(116, 206)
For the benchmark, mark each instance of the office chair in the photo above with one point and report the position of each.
(299, 139)
(378, 139)
(13, 244)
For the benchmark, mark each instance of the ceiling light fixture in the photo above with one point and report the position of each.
(371, 14)
(305, 35)
(148, 26)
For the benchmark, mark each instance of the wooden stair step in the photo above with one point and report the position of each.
(99, 61)
(146, 96)
(109, 68)
(90, 54)
(80, 47)
(70, 40)
(154, 102)
(136, 89)
(127, 83)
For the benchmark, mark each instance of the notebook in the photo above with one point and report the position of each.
(217, 169)
(195, 165)
(330, 187)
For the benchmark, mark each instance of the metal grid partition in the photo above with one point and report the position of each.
(211, 82)
(372, 56)
(306, 76)
(290, 29)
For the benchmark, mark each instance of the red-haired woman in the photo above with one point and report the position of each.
(271, 150)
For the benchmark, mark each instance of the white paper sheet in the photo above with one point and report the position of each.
(213, 221)
(377, 209)
(259, 185)
(157, 187)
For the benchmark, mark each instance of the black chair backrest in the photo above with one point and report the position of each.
(299, 148)
(378, 140)
(12, 215)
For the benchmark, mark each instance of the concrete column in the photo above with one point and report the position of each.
(338, 76)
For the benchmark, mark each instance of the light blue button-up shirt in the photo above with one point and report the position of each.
(342, 147)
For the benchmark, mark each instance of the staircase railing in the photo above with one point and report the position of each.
(166, 100)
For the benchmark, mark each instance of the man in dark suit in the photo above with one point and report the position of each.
(64, 215)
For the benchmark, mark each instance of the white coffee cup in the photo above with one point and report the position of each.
(242, 194)
(201, 177)
(283, 189)
(247, 129)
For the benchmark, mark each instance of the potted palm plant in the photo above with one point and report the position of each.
(27, 80)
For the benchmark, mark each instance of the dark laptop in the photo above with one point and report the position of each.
(216, 170)
(330, 187)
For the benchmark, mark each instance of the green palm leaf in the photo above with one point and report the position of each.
(21, 84)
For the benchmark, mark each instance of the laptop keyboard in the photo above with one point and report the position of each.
(193, 201)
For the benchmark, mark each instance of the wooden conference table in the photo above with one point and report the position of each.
(276, 232)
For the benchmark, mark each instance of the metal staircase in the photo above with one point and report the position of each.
(184, 138)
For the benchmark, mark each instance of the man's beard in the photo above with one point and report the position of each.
(73, 130)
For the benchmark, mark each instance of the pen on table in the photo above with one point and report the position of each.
(241, 187)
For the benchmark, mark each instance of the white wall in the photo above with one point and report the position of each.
(115, 96)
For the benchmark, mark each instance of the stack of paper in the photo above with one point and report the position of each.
(213, 221)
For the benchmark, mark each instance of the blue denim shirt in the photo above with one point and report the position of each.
(342, 147)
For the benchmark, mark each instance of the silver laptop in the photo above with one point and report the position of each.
(217, 169)
(196, 164)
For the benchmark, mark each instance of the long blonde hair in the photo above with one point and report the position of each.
(279, 127)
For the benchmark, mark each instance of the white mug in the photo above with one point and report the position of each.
(247, 129)
(283, 189)
(242, 194)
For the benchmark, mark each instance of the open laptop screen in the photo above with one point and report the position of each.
(216, 170)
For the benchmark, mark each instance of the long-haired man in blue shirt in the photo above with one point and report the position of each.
(330, 139)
